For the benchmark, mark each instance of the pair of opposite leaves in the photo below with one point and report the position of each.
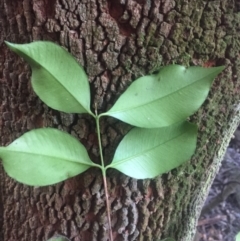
(157, 105)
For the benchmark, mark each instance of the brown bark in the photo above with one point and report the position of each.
(116, 41)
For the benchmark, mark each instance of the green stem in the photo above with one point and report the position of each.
(104, 178)
(99, 141)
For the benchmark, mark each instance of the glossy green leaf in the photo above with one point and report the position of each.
(44, 156)
(58, 238)
(165, 98)
(57, 78)
(146, 153)
(238, 237)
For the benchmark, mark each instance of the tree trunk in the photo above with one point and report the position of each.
(117, 41)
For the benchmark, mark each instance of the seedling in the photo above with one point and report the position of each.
(156, 105)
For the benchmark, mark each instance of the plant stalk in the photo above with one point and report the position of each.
(104, 178)
(107, 204)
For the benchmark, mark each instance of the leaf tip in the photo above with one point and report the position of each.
(11, 46)
(221, 68)
(8, 43)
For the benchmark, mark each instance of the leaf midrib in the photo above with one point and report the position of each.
(134, 156)
(136, 107)
(36, 154)
(43, 67)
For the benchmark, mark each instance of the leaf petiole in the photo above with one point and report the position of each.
(97, 118)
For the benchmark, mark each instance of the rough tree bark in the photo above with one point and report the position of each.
(116, 41)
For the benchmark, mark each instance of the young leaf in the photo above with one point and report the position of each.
(165, 98)
(57, 78)
(44, 156)
(146, 153)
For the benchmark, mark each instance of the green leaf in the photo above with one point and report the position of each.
(57, 78)
(238, 237)
(44, 156)
(58, 238)
(146, 153)
(165, 98)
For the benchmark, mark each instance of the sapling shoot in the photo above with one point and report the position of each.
(156, 105)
